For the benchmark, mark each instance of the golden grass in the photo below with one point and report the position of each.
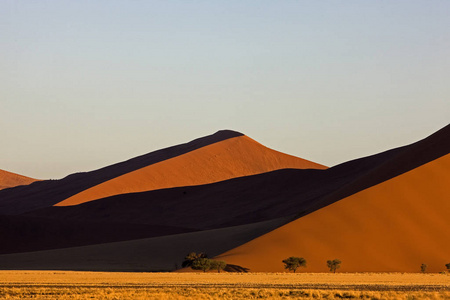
(104, 285)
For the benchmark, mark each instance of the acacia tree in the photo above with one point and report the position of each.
(191, 257)
(448, 266)
(217, 265)
(292, 263)
(203, 264)
(334, 264)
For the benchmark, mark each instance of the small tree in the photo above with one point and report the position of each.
(217, 265)
(191, 257)
(423, 268)
(292, 263)
(203, 264)
(448, 266)
(334, 264)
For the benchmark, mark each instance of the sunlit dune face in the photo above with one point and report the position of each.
(393, 226)
(234, 157)
(8, 180)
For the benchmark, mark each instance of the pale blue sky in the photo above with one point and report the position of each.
(84, 84)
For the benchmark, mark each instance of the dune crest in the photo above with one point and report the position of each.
(9, 180)
(49, 192)
(394, 226)
(230, 158)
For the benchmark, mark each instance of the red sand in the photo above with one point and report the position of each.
(8, 180)
(394, 226)
(393, 215)
(234, 157)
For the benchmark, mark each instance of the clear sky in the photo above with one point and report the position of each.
(84, 84)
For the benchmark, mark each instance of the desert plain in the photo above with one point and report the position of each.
(118, 285)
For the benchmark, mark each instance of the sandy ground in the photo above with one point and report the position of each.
(375, 281)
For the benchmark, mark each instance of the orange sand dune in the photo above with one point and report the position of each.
(394, 226)
(49, 192)
(8, 180)
(234, 157)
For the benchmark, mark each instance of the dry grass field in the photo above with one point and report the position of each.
(102, 285)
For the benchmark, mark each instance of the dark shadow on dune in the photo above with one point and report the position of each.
(143, 255)
(25, 234)
(255, 198)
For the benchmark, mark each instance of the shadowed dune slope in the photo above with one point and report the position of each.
(9, 180)
(394, 226)
(25, 234)
(255, 198)
(234, 157)
(152, 254)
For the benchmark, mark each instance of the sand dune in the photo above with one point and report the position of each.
(396, 162)
(234, 157)
(393, 226)
(8, 180)
(385, 212)
(256, 198)
(49, 192)
(222, 155)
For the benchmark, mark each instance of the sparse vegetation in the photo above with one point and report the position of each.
(218, 265)
(334, 264)
(183, 293)
(293, 263)
(203, 264)
(63, 285)
(423, 268)
(200, 261)
(191, 258)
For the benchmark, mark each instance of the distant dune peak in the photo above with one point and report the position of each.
(9, 179)
(235, 155)
(228, 133)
